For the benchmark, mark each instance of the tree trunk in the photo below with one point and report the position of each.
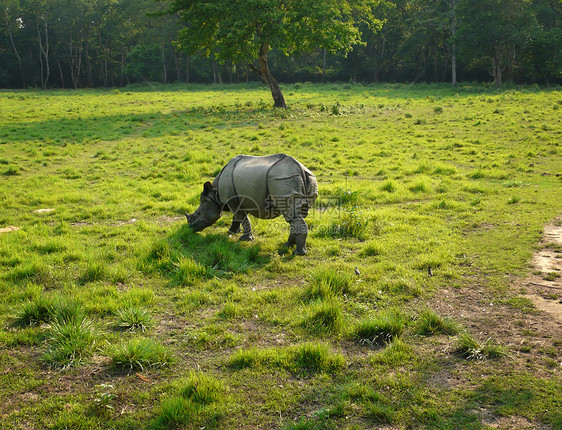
(164, 66)
(20, 66)
(177, 64)
(497, 71)
(89, 64)
(453, 5)
(75, 62)
(263, 72)
(324, 65)
(44, 55)
(61, 74)
(454, 65)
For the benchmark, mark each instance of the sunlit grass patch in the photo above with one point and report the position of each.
(34, 312)
(140, 353)
(347, 224)
(327, 282)
(70, 342)
(430, 323)
(199, 400)
(389, 187)
(381, 328)
(471, 349)
(397, 352)
(419, 187)
(229, 311)
(316, 357)
(189, 272)
(201, 388)
(94, 271)
(377, 407)
(47, 309)
(323, 317)
(309, 357)
(133, 318)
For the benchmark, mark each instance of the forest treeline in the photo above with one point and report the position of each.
(101, 43)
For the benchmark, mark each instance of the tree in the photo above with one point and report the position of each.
(11, 21)
(243, 31)
(495, 31)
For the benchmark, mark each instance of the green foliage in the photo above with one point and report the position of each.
(299, 27)
(396, 353)
(202, 389)
(37, 311)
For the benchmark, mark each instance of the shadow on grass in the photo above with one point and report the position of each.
(63, 131)
(187, 258)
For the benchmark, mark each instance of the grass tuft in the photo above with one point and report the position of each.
(202, 389)
(350, 224)
(430, 323)
(189, 272)
(328, 282)
(311, 357)
(134, 318)
(323, 317)
(94, 272)
(381, 329)
(471, 349)
(35, 312)
(317, 357)
(70, 343)
(140, 353)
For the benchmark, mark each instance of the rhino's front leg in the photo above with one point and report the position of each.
(298, 234)
(246, 226)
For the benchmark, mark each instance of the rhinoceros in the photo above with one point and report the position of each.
(264, 187)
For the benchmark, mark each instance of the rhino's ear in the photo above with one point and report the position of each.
(207, 187)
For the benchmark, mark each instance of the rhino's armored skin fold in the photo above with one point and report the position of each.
(265, 187)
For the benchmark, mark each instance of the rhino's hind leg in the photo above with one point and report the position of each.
(298, 234)
(247, 236)
(234, 227)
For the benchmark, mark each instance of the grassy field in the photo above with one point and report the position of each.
(113, 315)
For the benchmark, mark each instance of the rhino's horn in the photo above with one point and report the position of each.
(186, 216)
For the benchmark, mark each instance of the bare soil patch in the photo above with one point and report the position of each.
(528, 320)
(544, 285)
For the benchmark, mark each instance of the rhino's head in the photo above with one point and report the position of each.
(208, 212)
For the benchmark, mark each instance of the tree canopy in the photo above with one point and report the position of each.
(91, 43)
(243, 31)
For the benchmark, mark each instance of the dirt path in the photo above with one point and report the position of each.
(544, 284)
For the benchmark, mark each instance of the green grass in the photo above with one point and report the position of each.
(244, 335)
(430, 323)
(381, 328)
(328, 282)
(134, 318)
(307, 357)
(69, 343)
(470, 348)
(140, 354)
